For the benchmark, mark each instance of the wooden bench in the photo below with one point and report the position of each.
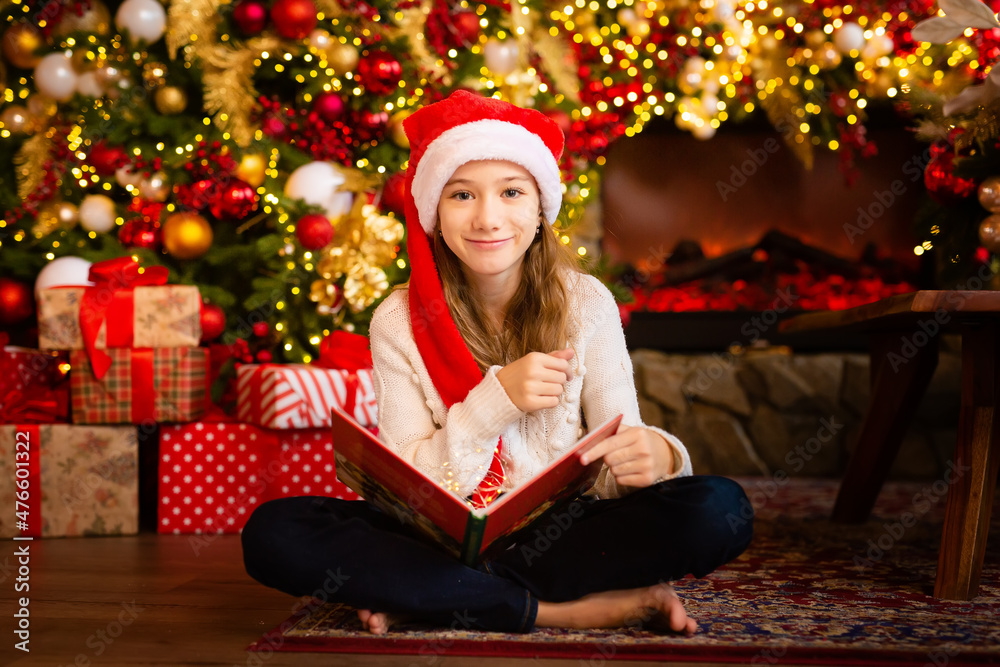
(903, 333)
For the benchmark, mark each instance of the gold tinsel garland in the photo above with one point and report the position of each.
(28, 162)
(229, 91)
(191, 21)
(782, 105)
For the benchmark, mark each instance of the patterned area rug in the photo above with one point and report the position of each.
(806, 591)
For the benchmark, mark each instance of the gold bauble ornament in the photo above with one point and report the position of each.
(20, 41)
(186, 235)
(321, 41)
(395, 128)
(170, 100)
(343, 58)
(252, 169)
(40, 107)
(15, 119)
(989, 233)
(95, 19)
(55, 215)
(816, 39)
(989, 194)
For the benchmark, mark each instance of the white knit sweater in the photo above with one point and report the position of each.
(455, 447)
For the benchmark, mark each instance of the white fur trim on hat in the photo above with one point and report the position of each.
(484, 140)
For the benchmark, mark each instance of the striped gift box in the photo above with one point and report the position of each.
(163, 385)
(295, 396)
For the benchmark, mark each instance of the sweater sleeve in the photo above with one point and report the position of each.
(454, 449)
(609, 382)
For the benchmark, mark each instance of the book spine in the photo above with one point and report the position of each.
(475, 526)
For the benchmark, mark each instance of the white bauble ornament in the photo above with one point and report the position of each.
(319, 183)
(878, 46)
(144, 19)
(126, 177)
(500, 57)
(155, 188)
(63, 271)
(55, 77)
(88, 85)
(709, 104)
(97, 214)
(849, 37)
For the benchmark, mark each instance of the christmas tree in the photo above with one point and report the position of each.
(256, 150)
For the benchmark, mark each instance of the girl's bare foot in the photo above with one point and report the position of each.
(377, 622)
(655, 607)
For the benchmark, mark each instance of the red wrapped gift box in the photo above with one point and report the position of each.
(34, 386)
(213, 475)
(305, 466)
(209, 476)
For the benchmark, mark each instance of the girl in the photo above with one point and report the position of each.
(483, 365)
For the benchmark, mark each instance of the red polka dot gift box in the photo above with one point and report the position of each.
(213, 475)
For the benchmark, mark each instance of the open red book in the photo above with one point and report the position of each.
(381, 477)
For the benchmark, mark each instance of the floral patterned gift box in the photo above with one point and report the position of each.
(78, 480)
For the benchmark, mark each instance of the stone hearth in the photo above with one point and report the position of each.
(761, 411)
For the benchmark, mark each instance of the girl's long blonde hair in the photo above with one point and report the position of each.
(534, 320)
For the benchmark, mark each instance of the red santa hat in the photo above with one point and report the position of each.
(443, 136)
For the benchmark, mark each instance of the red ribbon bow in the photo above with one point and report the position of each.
(344, 351)
(110, 277)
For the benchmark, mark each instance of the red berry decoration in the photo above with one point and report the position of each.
(466, 26)
(380, 72)
(294, 19)
(140, 233)
(236, 199)
(213, 322)
(314, 231)
(261, 329)
(264, 357)
(106, 159)
(329, 106)
(16, 301)
(250, 16)
(394, 194)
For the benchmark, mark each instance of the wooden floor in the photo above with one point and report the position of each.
(161, 600)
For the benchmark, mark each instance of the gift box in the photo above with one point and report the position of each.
(213, 475)
(210, 476)
(34, 386)
(303, 465)
(301, 396)
(164, 385)
(63, 480)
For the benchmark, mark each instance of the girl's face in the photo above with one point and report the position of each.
(488, 213)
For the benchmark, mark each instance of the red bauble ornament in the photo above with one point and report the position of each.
(140, 234)
(466, 26)
(942, 183)
(314, 231)
(329, 106)
(264, 357)
(106, 159)
(274, 127)
(261, 329)
(17, 303)
(213, 322)
(380, 72)
(370, 125)
(237, 199)
(294, 19)
(394, 194)
(250, 16)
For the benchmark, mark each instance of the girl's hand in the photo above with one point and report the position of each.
(637, 456)
(536, 380)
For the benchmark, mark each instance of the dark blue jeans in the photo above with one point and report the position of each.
(349, 552)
